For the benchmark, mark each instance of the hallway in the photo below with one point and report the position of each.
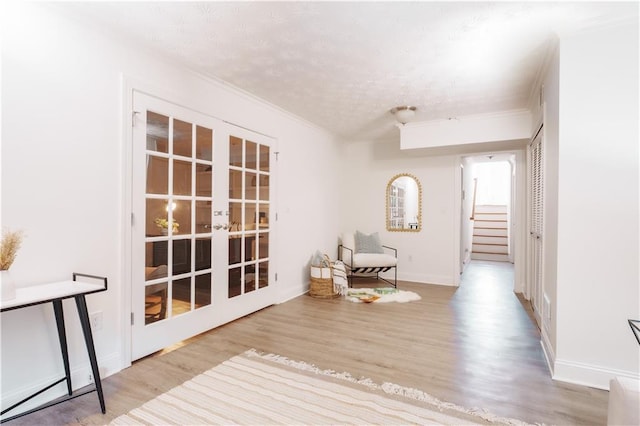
(490, 283)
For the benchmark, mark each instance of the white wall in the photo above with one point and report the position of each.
(481, 128)
(494, 183)
(598, 206)
(370, 166)
(63, 179)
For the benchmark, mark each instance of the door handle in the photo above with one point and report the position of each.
(217, 226)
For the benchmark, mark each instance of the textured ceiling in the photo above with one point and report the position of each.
(343, 65)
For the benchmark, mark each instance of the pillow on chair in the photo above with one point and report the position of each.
(368, 243)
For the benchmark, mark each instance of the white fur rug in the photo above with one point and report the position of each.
(380, 295)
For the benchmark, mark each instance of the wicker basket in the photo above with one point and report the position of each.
(322, 288)
(321, 284)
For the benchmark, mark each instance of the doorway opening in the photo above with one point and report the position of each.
(488, 185)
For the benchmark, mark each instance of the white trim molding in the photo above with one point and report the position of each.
(446, 280)
(588, 375)
(547, 350)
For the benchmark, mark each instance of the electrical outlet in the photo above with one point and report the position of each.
(90, 378)
(96, 320)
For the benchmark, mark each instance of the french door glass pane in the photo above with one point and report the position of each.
(182, 216)
(203, 180)
(182, 139)
(155, 302)
(181, 256)
(251, 182)
(263, 274)
(263, 245)
(204, 147)
(235, 247)
(157, 175)
(235, 284)
(157, 217)
(157, 132)
(235, 184)
(251, 159)
(203, 290)
(235, 217)
(264, 187)
(250, 247)
(203, 254)
(249, 278)
(181, 297)
(181, 177)
(264, 158)
(203, 217)
(235, 151)
(156, 254)
(263, 216)
(250, 218)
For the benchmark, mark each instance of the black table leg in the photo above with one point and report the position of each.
(83, 313)
(62, 336)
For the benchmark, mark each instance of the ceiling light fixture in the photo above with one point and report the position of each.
(403, 114)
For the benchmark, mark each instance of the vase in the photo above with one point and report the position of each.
(7, 286)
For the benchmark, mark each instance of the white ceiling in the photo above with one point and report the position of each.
(343, 65)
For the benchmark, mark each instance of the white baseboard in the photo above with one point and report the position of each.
(588, 375)
(547, 350)
(427, 279)
(108, 365)
(292, 294)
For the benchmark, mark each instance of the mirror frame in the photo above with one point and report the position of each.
(386, 196)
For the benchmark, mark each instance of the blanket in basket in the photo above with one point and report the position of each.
(340, 282)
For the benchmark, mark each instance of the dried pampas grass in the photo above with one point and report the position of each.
(9, 246)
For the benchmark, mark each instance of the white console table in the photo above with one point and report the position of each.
(55, 293)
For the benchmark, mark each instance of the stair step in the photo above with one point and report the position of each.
(480, 224)
(490, 216)
(490, 256)
(486, 232)
(483, 208)
(478, 239)
(490, 248)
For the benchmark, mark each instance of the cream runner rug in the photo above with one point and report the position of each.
(257, 389)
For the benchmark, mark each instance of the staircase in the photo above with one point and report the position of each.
(490, 238)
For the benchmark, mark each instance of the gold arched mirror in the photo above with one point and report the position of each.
(404, 204)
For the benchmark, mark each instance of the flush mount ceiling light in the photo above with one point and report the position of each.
(403, 114)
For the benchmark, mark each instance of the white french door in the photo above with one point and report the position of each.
(202, 230)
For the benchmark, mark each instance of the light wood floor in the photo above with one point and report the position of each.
(475, 346)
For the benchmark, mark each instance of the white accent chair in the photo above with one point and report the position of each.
(361, 263)
(624, 402)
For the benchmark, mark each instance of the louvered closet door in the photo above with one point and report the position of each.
(536, 214)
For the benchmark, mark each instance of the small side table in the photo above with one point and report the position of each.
(56, 293)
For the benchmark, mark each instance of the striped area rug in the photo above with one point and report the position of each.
(268, 389)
